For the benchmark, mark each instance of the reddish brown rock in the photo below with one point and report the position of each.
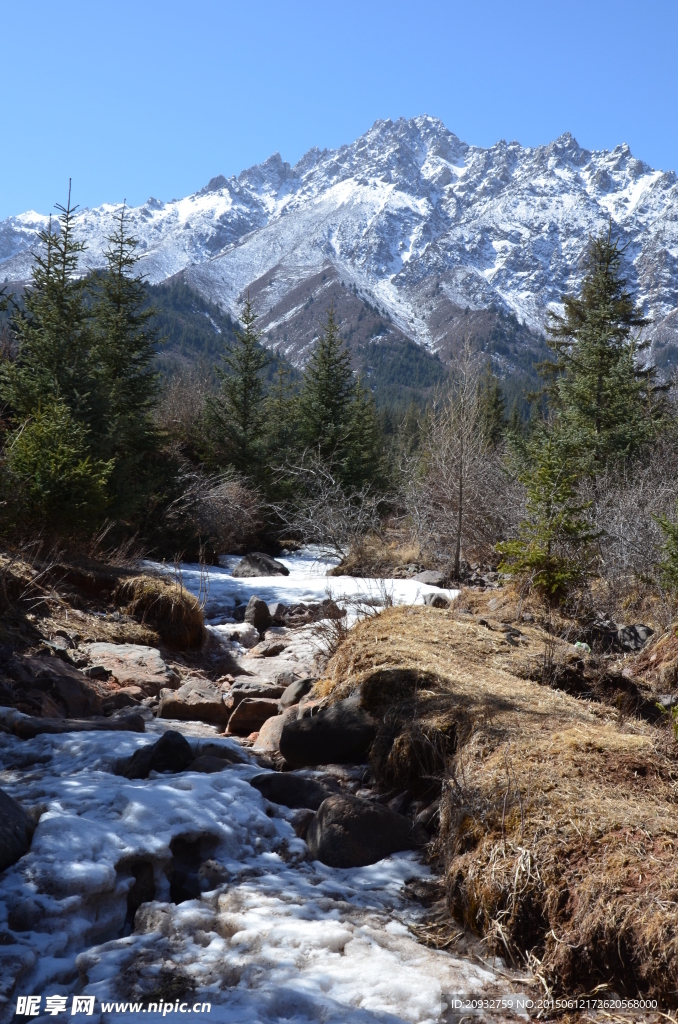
(250, 715)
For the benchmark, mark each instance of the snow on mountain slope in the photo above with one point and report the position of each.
(421, 223)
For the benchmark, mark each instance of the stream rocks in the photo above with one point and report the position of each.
(250, 714)
(16, 831)
(256, 563)
(257, 614)
(134, 665)
(341, 734)
(347, 832)
(291, 790)
(172, 753)
(195, 700)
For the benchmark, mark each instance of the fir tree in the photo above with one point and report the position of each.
(237, 412)
(363, 460)
(550, 553)
(492, 407)
(607, 403)
(125, 346)
(327, 392)
(54, 360)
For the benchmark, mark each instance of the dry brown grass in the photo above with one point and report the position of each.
(559, 829)
(376, 556)
(166, 606)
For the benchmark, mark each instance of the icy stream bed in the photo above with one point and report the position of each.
(270, 938)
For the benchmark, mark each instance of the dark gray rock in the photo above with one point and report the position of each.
(341, 734)
(257, 613)
(349, 833)
(432, 577)
(296, 691)
(291, 790)
(436, 601)
(172, 753)
(633, 638)
(207, 763)
(16, 831)
(258, 564)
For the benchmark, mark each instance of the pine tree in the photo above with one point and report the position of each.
(125, 347)
(280, 414)
(607, 404)
(551, 552)
(328, 389)
(237, 412)
(492, 406)
(53, 332)
(363, 461)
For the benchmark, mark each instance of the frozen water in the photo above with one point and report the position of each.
(278, 939)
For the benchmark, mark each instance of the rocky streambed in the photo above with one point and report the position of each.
(178, 866)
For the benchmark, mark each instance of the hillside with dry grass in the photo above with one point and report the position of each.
(558, 817)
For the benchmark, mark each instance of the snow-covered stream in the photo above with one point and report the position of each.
(272, 938)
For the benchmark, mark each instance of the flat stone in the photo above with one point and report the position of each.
(243, 688)
(134, 665)
(291, 790)
(250, 715)
(267, 649)
(26, 727)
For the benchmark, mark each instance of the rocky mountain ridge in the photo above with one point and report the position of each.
(425, 229)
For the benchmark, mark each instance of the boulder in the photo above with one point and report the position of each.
(291, 790)
(16, 831)
(195, 701)
(128, 697)
(341, 734)
(259, 564)
(271, 731)
(257, 613)
(225, 752)
(633, 638)
(250, 715)
(278, 611)
(432, 577)
(437, 601)
(350, 833)
(66, 685)
(171, 753)
(208, 764)
(134, 665)
(243, 688)
(296, 691)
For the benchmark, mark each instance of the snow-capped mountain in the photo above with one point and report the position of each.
(410, 218)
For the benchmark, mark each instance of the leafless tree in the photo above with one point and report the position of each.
(183, 400)
(458, 494)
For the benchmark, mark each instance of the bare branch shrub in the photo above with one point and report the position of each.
(459, 497)
(183, 400)
(326, 513)
(220, 508)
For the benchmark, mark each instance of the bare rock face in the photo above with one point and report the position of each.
(341, 734)
(171, 753)
(16, 831)
(259, 564)
(195, 701)
(134, 665)
(250, 715)
(350, 833)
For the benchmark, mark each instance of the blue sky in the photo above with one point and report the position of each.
(133, 99)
